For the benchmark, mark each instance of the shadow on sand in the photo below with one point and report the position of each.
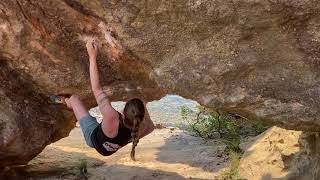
(66, 166)
(209, 156)
(45, 166)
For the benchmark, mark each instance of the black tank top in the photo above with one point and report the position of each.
(107, 146)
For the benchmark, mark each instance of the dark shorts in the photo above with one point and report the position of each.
(88, 124)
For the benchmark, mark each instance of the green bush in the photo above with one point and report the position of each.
(233, 143)
(207, 124)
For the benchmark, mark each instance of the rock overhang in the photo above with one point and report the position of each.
(257, 59)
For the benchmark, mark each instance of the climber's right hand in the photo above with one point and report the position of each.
(92, 49)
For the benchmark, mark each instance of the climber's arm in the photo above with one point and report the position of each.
(94, 73)
(110, 116)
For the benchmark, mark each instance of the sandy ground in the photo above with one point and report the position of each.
(164, 154)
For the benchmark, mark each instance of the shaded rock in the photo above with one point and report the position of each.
(258, 59)
(27, 121)
(42, 53)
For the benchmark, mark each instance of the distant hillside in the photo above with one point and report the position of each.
(166, 110)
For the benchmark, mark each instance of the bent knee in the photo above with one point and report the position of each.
(75, 97)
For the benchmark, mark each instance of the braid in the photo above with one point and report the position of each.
(134, 111)
(135, 136)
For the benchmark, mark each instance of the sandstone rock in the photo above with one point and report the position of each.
(259, 59)
(264, 157)
(282, 154)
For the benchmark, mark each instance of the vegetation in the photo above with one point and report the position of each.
(209, 124)
(232, 173)
(259, 127)
(83, 167)
(206, 124)
(233, 144)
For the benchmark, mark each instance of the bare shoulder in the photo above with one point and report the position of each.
(147, 116)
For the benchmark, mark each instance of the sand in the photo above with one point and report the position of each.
(164, 154)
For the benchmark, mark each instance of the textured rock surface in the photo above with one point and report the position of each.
(282, 154)
(258, 58)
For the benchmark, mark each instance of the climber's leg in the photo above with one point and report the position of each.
(77, 106)
(86, 121)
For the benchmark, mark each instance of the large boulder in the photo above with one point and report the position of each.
(259, 59)
(282, 154)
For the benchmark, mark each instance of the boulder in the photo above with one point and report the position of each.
(259, 59)
(282, 154)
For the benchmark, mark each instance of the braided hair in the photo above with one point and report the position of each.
(134, 111)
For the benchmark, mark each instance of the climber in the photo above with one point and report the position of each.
(116, 129)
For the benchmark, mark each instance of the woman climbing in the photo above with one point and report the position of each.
(116, 130)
